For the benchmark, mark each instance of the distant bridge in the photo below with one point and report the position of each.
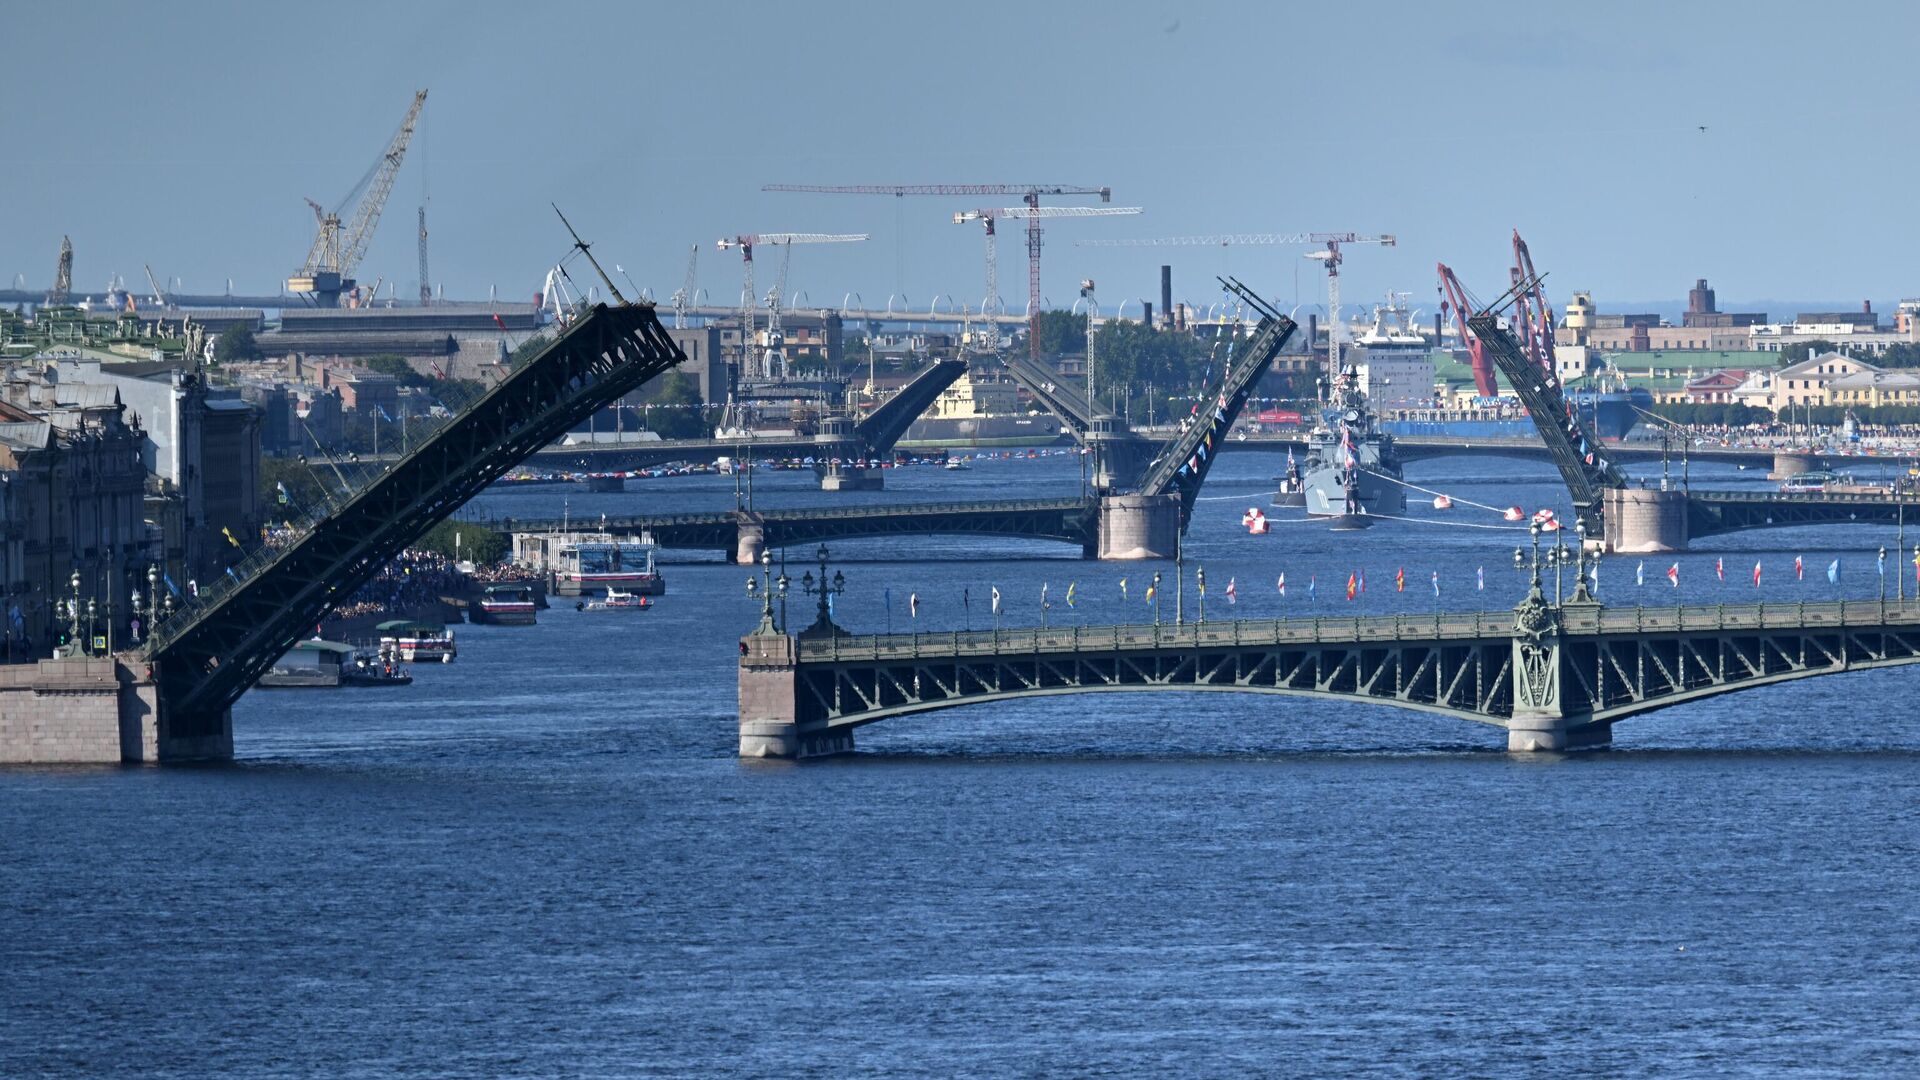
(743, 534)
(1554, 677)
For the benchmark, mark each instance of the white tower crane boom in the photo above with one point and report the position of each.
(746, 242)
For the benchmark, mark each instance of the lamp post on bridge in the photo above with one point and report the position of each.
(1155, 586)
(767, 588)
(825, 589)
(1200, 582)
(1581, 595)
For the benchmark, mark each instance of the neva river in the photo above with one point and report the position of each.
(545, 860)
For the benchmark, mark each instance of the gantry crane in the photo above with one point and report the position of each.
(987, 218)
(1029, 194)
(337, 250)
(746, 242)
(1329, 255)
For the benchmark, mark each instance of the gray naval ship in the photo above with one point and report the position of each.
(1352, 473)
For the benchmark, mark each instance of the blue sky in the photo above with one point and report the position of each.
(186, 136)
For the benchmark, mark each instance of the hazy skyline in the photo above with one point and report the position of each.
(1637, 146)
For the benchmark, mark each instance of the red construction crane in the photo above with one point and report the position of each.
(1454, 296)
(1029, 193)
(1532, 313)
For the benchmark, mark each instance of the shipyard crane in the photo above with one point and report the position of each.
(337, 249)
(1329, 255)
(683, 299)
(159, 294)
(987, 218)
(1029, 194)
(1454, 297)
(746, 242)
(63, 274)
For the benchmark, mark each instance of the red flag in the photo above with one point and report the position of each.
(500, 322)
(1799, 569)
(1720, 569)
(1756, 574)
(1673, 575)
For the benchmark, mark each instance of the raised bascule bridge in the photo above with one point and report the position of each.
(172, 699)
(1555, 674)
(1140, 501)
(1612, 513)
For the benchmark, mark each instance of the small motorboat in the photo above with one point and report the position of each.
(616, 600)
(956, 465)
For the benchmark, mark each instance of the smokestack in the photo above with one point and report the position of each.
(1866, 307)
(1148, 317)
(1166, 291)
(1313, 331)
(1436, 330)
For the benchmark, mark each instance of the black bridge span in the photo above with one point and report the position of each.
(205, 657)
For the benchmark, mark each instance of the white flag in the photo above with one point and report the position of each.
(996, 599)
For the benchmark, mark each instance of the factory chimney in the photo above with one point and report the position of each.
(1166, 293)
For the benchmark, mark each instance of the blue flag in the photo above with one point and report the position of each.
(886, 597)
(383, 414)
(171, 587)
(1833, 572)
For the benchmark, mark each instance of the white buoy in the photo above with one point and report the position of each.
(1441, 502)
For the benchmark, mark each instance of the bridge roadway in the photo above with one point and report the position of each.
(744, 534)
(1555, 678)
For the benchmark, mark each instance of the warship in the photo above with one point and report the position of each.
(1352, 473)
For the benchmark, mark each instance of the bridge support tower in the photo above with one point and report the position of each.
(1786, 466)
(1541, 719)
(1642, 520)
(769, 703)
(752, 541)
(1139, 526)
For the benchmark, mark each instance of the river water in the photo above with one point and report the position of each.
(544, 859)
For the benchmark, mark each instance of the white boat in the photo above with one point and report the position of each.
(616, 600)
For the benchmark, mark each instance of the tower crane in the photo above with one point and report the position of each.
(1329, 255)
(337, 249)
(426, 291)
(987, 218)
(159, 294)
(746, 242)
(1029, 194)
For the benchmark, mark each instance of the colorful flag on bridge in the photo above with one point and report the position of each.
(1071, 585)
(1799, 569)
(913, 605)
(1833, 572)
(996, 599)
(1480, 578)
(1436, 584)
(1233, 592)
(1640, 573)
(1720, 568)
(1313, 583)
(1352, 586)
(1123, 588)
(1673, 575)
(1282, 583)
(1756, 573)
(1400, 580)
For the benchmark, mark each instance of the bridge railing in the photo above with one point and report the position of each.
(1071, 639)
(1576, 620)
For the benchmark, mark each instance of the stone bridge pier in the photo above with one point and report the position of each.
(99, 710)
(1139, 526)
(770, 700)
(1644, 520)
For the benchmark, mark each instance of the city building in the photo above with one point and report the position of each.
(70, 466)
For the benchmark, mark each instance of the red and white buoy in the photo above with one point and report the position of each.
(1255, 520)
(1441, 502)
(1514, 513)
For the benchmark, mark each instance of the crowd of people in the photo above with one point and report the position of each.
(414, 579)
